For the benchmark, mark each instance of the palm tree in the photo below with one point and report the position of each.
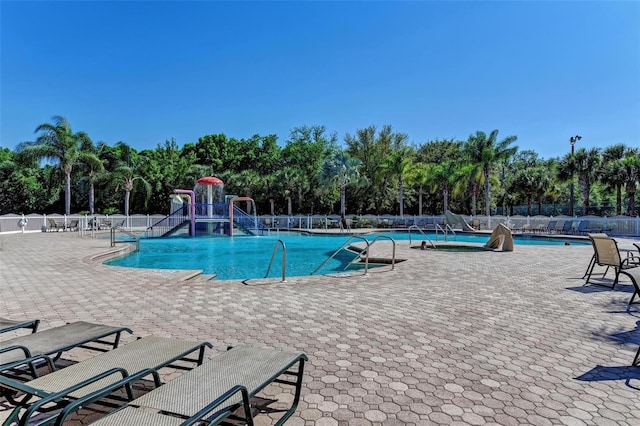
(344, 170)
(288, 178)
(614, 172)
(631, 164)
(126, 174)
(587, 167)
(94, 168)
(419, 175)
(398, 163)
(57, 143)
(486, 151)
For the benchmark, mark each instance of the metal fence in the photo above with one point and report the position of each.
(90, 225)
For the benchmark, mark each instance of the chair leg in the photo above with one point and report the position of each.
(635, 360)
(590, 266)
(593, 265)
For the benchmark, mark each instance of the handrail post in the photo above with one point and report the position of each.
(284, 260)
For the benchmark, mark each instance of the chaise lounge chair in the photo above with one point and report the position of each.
(214, 391)
(60, 387)
(54, 341)
(10, 325)
(606, 254)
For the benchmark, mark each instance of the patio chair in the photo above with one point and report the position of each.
(51, 225)
(583, 227)
(58, 388)
(213, 391)
(54, 341)
(567, 227)
(10, 325)
(551, 226)
(606, 254)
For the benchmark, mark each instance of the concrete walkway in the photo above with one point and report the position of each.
(445, 338)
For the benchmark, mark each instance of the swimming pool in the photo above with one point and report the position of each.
(243, 257)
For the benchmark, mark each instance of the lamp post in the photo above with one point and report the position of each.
(572, 140)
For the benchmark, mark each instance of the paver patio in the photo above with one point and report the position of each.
(445, 338)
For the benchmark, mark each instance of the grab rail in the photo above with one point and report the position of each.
(136, 239)
(445, 231)
(393, 255)
(366, 265)
(284, 259)
(422, 232)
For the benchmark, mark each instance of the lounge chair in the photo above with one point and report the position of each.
(56, 389)
(54, 341)
(551, 226)
(567, 227)
(584, 227)
(606, 254)
(214, 391)
(72, 225)
(10, 325)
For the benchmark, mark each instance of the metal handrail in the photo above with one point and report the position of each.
(451, 229)
(342, 247)
(124, 231)
(284, 259)
(393, 256)
(445, 231)
(422, 232)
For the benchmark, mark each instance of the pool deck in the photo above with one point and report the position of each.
(445, 338)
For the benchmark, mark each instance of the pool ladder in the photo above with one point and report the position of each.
(367, 250)
(114, 241)
(284, 259)
(422, 232)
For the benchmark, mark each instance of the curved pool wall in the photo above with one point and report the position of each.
(245, 257)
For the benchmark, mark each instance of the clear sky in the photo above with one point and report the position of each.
(144, 72)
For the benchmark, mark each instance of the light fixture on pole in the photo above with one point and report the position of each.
(572, 140)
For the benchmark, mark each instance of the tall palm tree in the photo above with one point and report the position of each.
(631, 164)
(344, 170)
(587, 167)
(419, 175)
(56, 142)
(398, 164)
(614, 172)
(126, 174)
(486, 151)
(289, 178)
(89, 158)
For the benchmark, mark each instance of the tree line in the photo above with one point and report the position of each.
(373, 171)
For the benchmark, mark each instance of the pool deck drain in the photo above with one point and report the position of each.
(444, 338)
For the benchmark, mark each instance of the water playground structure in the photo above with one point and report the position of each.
(207, 210)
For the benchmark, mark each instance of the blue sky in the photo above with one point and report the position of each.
(144, 72)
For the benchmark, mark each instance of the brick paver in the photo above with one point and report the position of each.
(446, 338)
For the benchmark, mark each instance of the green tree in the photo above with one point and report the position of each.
(486, 151)
(614, 172)
(587, 167)
(306, 151)
(93, 168)
(631, 164)
(397, 164)
(127, 176)
(56, 142)
(344, 170)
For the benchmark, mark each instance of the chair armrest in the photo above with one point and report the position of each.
(197, 418)
(24, 349)
(30, 362)
(33, 408)
(107, 390)
(631, 261)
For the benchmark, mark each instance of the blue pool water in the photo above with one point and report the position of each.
(243, 257)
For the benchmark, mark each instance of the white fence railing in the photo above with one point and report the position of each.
(89, 225)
